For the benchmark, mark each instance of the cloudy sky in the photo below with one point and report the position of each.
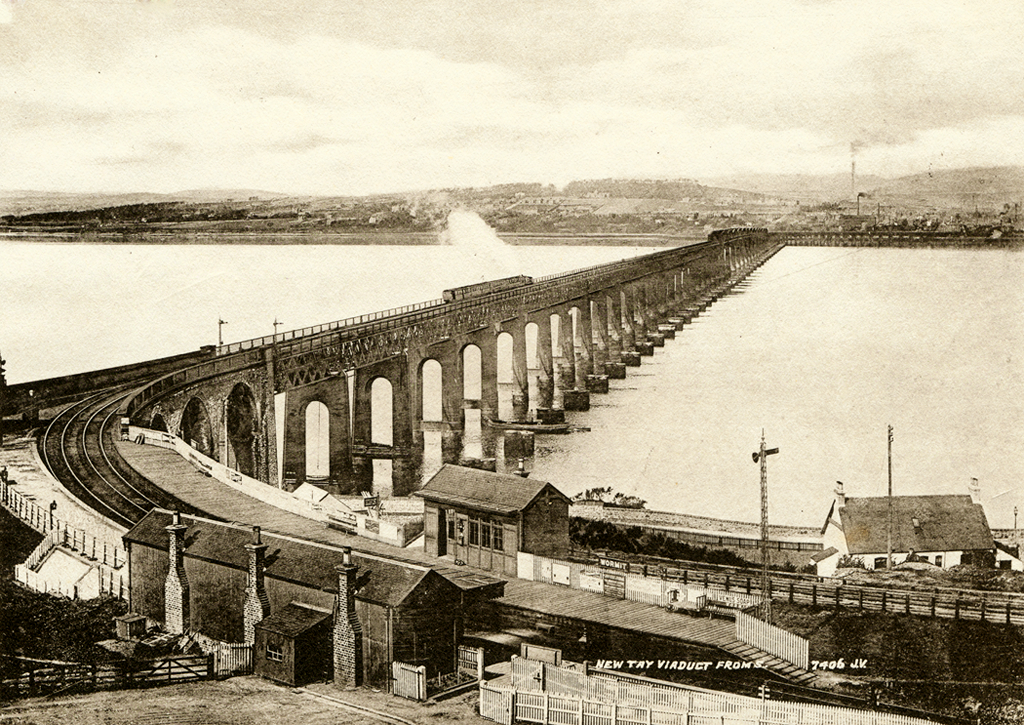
(356, 97)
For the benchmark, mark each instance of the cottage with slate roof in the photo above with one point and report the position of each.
(313, 611)
(485, 519)
(943, 530)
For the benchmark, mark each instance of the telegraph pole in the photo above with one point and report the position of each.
(3, 397)
(889, 527)
(766, 595)
(220, 336)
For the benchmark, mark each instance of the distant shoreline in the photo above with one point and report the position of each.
(320, 237)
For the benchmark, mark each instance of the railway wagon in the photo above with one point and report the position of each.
(457, 294)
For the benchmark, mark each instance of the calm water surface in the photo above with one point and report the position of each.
(822, 349)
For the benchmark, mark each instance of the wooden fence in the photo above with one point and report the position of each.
(45, 522)
(59, 678)
(232, 659)
(409, 681)
(569, 695)
(773, 640)
(969, 604)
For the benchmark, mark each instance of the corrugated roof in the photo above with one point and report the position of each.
(379, 580)
(293, 620)
(945, 523)
(493, 492)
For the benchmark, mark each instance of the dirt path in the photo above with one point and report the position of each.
(237, 701)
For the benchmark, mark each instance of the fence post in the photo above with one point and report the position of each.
(956, 609)
(908, 603)
(983, 600)
(791, 592)
(1007, 611)
(884, 592)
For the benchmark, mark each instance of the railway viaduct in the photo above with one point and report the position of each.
(445, 378)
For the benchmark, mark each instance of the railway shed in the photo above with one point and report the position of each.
(235, 583)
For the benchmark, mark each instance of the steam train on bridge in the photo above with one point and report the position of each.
(458, 294)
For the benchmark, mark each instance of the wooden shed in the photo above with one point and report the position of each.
(294, 645)
(485, 519)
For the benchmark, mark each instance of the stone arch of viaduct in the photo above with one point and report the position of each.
(560, 339)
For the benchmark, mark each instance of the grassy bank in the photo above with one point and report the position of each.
(952, 666)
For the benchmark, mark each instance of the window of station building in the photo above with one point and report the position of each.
(485, 535)
(474, 533)
(275, 653)
(451, 525)
(497, 540)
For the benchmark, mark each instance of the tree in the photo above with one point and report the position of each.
(606, 495)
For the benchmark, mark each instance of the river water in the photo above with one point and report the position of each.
(822, 349)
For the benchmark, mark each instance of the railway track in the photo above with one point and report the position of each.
(77, 447)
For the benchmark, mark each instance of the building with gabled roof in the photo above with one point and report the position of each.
(485, 519)
(235, 583)
(944, 530)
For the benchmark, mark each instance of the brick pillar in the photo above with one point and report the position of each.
(546, 374)
(256, 606)
(176, 591)
(348, 635)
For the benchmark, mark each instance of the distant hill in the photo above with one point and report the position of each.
(803, 187)
(947, 188)
(36, 202)
(983, 186)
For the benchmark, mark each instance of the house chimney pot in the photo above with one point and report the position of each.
(840, 494)
(974, 489)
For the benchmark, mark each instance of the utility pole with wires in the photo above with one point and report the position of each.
(889, 527)
(766, 585)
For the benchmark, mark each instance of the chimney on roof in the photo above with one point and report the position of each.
(840, 495)
(176, 589)
(256, 605)
(975, 490)
(348, 634)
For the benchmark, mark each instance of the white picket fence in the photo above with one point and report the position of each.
(540, 692)
(37, 517)
(409, 681)
(773, 640)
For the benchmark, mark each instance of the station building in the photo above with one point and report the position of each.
(485, 519)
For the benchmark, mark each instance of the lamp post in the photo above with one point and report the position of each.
(220, 337)
(53, 507)
(766, 596)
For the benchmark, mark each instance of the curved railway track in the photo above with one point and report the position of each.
(77, 447)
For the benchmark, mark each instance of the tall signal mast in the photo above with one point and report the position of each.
(766, 584)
